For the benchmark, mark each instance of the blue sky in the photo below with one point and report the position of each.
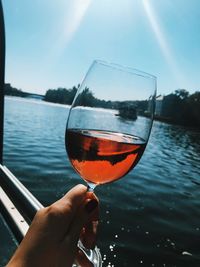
(51, 43)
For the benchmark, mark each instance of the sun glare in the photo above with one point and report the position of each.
(162, 41)
(70, 21)
(66, 27)
(78, 9)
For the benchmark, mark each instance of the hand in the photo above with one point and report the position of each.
(51, 240)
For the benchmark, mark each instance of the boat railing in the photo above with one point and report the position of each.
(17, 204)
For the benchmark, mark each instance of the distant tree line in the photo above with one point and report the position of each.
(9, 90)
(179, 107)
(87, 98)
(182, 108)
(12, 91)
(66, 96)
(61, 95)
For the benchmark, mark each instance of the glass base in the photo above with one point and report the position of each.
(92, 255)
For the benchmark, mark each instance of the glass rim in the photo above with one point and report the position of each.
(124, 68)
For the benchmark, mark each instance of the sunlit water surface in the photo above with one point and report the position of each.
(149, 218)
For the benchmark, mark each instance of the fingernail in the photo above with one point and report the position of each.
(91, 205)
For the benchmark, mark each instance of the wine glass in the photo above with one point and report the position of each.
(109, 122)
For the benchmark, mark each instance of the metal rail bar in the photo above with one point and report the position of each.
(15, 221)
(2, 74)
(22, 198)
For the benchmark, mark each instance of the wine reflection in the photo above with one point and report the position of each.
(101, 157)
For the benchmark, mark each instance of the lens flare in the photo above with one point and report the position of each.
(78, 9)
(162, 41)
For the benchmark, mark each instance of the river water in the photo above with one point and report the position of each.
(149, 218)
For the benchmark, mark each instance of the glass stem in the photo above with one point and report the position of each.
(91, 187)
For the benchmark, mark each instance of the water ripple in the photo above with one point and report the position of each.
(151, 216)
